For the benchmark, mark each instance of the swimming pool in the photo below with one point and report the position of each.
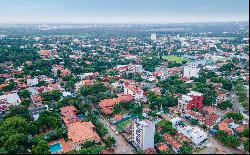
(81, 116)
(54, 148)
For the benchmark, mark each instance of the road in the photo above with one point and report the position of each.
(216, 146)
(122, 145)
(235, 101)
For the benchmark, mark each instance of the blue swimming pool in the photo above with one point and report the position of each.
(54, 148)
(81, 116)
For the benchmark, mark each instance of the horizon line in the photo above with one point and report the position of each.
(89, 23)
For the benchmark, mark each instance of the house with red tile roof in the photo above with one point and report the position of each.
(172, 142)
(2, 86)
(223, 125)
(106, 105)
(161, 147)
(132, 89)
(80, 132)
(83, 83)
(64, 72)
(68, 114)
(209, 119)
(45, 53)
(111, 102)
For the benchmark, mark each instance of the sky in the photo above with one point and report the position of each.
(122, 11)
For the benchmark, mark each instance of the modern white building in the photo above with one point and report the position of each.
(153, 36)
(11, 99)
(191, 71)
(195, 134)
(32, 82)
(131, 89)
(183, 102)
(136, 68)
(143, 132)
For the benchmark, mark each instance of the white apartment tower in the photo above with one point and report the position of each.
(153, 36)
(191, 71)
(143, 132)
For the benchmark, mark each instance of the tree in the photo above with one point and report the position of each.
(186, 148)
(137, 109)
(227, 67)
(245, 132)
(228, 140)
(169, 130)
(26, 103)
(235, 116)
(10, 86)
(88, 144)
(100, 128)
(53, 95)
(163, 123)
(86, 107)
(24, 93)
(246, 145)
(158, 138)
(16, 143)
(225, 104)
(20, 111)
(94, 89)
(150, 63)
(48, 120)
(227, 85)
(110, 141)
(92, 150)
(117, 109)
(14, 135)
(194, 121)
(15, 123)
(40, 147)
(41, 83)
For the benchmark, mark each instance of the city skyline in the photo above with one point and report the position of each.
(127, 11)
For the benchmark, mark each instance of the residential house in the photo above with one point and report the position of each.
(68, 114)
(81, 132)
(32, 82)
(132, 89)
(106, 105)
(175, 145)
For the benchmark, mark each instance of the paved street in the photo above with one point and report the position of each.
(216, 146)
(122, 146)
(235, 101)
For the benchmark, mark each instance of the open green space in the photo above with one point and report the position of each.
(174, 58)
(122, 125)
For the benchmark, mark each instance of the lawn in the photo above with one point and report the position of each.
(174, 58)
(121, 126)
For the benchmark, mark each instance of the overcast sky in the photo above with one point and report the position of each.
(122, 11)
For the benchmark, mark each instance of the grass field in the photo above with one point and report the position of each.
(174, 58)
(122, 125)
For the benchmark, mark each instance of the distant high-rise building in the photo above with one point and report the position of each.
(191, 71)
(143, 133)
(153, 36)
